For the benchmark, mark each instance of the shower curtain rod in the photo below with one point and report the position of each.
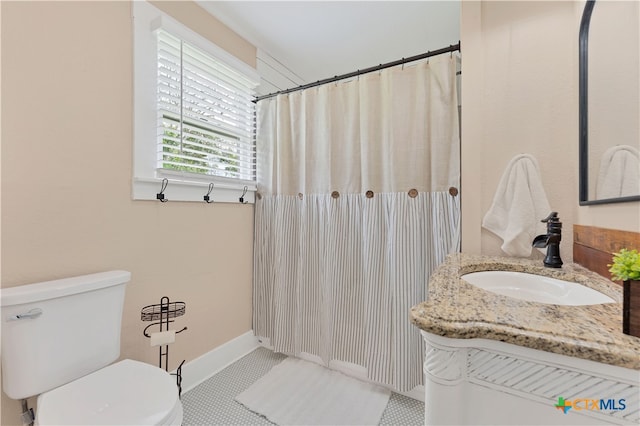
(451, 48)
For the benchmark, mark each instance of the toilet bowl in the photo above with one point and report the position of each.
(60, 339)
(127, 392)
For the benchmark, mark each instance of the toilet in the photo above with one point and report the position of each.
(60, 340)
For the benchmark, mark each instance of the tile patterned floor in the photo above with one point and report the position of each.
(212, 402)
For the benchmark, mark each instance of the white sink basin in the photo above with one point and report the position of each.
(536, 288)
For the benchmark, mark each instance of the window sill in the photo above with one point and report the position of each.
(190, 191)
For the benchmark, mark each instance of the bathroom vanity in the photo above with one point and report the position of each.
(495, 359)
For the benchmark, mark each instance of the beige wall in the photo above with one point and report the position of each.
(66, 97)
(66, 179)
(520, 95)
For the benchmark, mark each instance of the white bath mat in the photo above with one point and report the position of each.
(297, 392)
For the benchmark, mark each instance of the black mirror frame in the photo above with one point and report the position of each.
(583, 124)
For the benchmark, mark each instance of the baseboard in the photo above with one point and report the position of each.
(200, 369)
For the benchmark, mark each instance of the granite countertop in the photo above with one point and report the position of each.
(457, 309)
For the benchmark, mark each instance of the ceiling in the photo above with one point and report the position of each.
(319, 39)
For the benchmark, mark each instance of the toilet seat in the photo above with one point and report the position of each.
(127, 392)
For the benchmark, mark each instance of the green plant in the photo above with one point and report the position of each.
(626, 265)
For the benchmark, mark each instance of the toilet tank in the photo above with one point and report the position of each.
(54, 332)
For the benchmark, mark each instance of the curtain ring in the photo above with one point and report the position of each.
(300, 196)
(258, 196)
(453, 191)
(163, 186)
(369, 194)
(413, 193)
(335, 194)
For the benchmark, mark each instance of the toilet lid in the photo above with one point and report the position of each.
(127, 392)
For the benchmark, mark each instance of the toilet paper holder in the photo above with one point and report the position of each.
(162, 314)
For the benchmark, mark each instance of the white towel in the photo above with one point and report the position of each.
(619, 174)
(518, 207)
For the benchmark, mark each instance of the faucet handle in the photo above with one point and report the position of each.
(554, 226)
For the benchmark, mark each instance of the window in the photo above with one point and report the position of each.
(206, 113)
(194, 113)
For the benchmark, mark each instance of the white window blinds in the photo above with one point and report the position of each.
(206, 116)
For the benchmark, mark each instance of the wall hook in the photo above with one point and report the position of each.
(244, 192)
(206, 198)
(163, 186)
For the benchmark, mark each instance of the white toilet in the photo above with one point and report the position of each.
(58, 341)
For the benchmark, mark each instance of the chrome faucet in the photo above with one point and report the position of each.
(551, 240)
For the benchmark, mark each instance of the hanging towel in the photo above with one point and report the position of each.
(619, 174)
(518, 206)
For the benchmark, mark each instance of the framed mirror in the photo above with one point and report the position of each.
(609, 102)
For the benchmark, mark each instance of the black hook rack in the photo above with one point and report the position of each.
(206, 198)
(244, 192)
(163, 186)
(161, 314)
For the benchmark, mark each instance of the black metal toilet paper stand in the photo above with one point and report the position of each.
(162, 314)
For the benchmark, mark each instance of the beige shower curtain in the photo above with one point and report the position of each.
(354, 214)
